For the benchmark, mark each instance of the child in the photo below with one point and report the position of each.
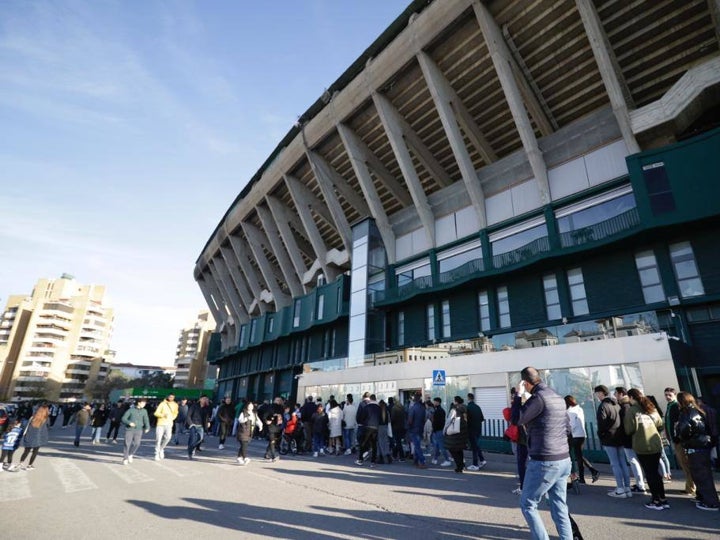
(10, 443)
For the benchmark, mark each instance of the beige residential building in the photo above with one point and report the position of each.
(54, 343)
(192, 368)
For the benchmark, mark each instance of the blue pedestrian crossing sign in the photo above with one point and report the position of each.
(438, 377)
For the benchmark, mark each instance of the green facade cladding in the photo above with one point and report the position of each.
(677, 196)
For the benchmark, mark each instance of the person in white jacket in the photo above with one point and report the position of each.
(577, 440)
(349, 423)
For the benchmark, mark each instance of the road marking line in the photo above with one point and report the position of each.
(71, 477)
(14, 486)
(129, 474)
(182, 472)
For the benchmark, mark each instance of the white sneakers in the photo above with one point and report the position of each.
(322, 451)
(130, 458)
(446, 463)
(482, 464)
(242, 461)
(473, 468)
(125, 461)
(620, 493)
(348, 452)
(221, 447)
(315, 454)
(434, 462)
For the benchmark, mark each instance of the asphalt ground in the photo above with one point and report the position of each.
(86, 493)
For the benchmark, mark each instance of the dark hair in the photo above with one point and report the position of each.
(621, 390)
(530, 375)
(570, 401)
(437, 399)
(458, 400)
(334, 404)
(645, 404)
(471, 396)
(601, 388)
(349, 398)
(657, 407)
(670, 389)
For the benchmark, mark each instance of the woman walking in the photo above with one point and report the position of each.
(247, 421)
(36, 436)
(99, 417)
(694, 433)
(455, 442)
(335, 419)
(643, 423)
(577, 439)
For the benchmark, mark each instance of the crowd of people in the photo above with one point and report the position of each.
(548, 434)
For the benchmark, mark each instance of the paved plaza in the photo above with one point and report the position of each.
(86, 493)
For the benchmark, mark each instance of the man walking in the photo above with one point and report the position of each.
(165, 413)
(438, 436)
(136, 422)
(198, 420)
(548, 428)
(226, 416)
(116, 413)
(416, 424)
(82, 419)
(181, 420)
(475, 423)
(672, 415)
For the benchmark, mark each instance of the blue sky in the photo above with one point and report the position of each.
(128, 127)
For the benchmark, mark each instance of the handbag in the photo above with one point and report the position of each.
(453, 425)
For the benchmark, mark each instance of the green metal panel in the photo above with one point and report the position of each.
(612, 282)
(527, 300)
(691, 168)
(464, 313)
(707, 256)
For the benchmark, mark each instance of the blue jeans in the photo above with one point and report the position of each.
(546, 477)
(616, 454)
(318, 442)
(78, 431)
(632, 459)
(438, 440)
(195, 438)
(416, 439)
(348, 438)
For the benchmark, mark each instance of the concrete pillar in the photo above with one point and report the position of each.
(238, 278)
(243, 254)
(282, 220)
(611, 76)
(394, 131)
(258, 241)
(241, 310)
(278, 248)
(359, 165)
(502, 60)
(443, 96)
(209, 300)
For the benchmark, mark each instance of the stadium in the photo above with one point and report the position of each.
(490, 185)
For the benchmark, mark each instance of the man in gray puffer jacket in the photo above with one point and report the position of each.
(547, 424)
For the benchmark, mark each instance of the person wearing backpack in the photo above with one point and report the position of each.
(694, 430)
(643, 423)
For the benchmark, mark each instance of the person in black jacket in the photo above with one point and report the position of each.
(116, 413)
(368, 416)
(695, 434)
(273, 419)
(438, 436)
(548, 426)
(198, 421)
(611, 435)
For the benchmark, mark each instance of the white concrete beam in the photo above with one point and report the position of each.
(226, 284)
(502, 59)
(237, 276)
(205, 289)
(242, 255)
(258, 243)
(349, 140)
(611, 77)
(281, 252)
(443, 96)
(283, 219)
(394, 131)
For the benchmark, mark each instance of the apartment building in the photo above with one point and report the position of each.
(54, 343)
(191, 366)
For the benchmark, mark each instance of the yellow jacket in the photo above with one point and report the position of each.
(166, 413)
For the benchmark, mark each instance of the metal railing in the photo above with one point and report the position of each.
(604, 229)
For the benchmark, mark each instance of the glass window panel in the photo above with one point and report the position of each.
(574, 276)
(551, 297)
(484, 309)
(580, 307)
(649, 276)
(503, 307)
(654, 293)
(685, 269)
(450, 263)
(596, 214)
(518, 240)
(553, 312)
(321, 306)
(691, 287)
(446, 318)
(431, 322)
(645, 259)
(577, 291)
(698, 315)
(504, 320)
(358, 303)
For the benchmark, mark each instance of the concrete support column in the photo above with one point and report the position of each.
(273, 235)
(394, 132)
(502, 60)
(282, 220)
(242, 254)
(224, 291)
(443, 96)
(350, 142)
(257, 241)
(611, 77)
(241, 311)
(304, 203)
(236, 275)
(209, 300)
